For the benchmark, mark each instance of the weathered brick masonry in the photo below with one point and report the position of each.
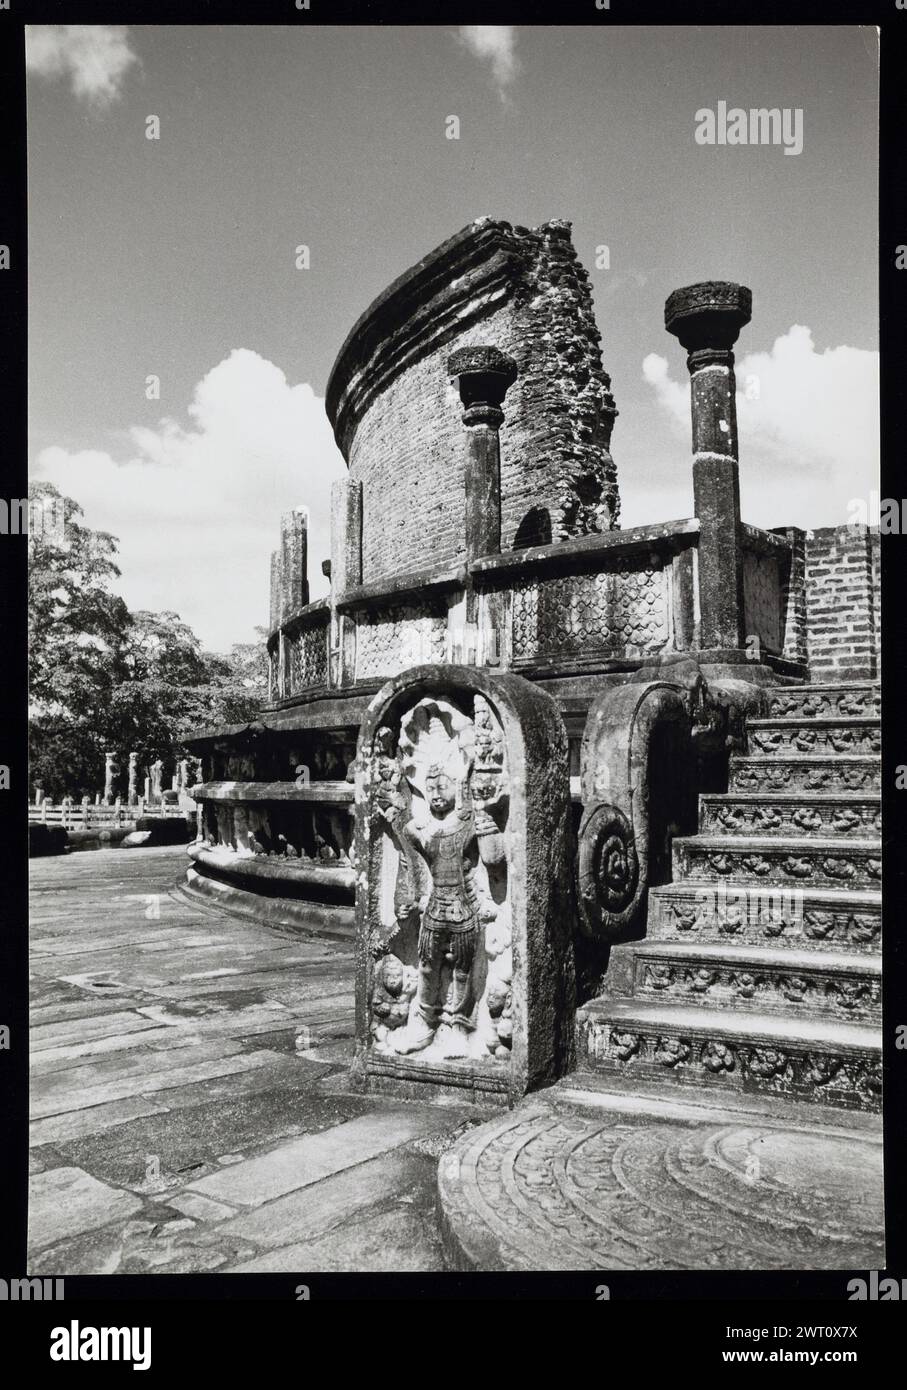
(842, 602)
(397, 413)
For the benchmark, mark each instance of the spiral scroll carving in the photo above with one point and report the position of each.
(607, 866)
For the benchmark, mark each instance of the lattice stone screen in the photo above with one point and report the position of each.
(394, 639)
(614, 610)
(308, 659)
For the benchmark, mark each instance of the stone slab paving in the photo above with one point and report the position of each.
(191, 1112)
(190, 1106)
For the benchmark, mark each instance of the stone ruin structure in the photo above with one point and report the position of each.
(593, 801)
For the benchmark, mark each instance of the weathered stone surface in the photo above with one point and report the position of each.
(621, 1185)
(396, 414)
(63, 1202)
(760, 971)
(254, 1181)
(503, 745)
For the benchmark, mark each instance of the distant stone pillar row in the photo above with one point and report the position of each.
(706, 319)
(484, 375)
(293, 568)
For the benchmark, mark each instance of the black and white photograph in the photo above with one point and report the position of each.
(454, 527)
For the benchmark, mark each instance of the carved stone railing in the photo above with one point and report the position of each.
(604, 601)
(299, 652)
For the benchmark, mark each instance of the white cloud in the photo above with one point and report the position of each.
(95, 57)
(808, 425)
(197, 510)
(494, 44)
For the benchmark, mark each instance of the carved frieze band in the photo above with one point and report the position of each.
(801, 740)
(863, 820)
(769, 918)
(755, 987)
(859, 703)
(820, 1075)
(779, 775)
(849, 865)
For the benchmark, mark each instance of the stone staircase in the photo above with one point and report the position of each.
(760, 969)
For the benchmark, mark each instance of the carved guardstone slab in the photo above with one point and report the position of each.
(464, 898)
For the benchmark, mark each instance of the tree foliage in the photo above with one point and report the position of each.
(105, 679)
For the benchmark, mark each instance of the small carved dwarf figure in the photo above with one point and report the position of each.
(255, 845)
(323, 850)
(450, 924)
(499, 1000)
(395, 985)
(387, 769)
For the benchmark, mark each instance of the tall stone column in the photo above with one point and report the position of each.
(484, 375)
(706, 318)
(133, 792)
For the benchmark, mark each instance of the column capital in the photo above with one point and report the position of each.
(484, 374)
(706, 318)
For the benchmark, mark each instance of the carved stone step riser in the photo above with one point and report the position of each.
(743, 918)
(851, 1080)
(849, 867)
(803, 741)
(779, 775)
(726, 816)
(798, 993)
(839, 703)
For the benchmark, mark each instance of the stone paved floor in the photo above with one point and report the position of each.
(189, 1102)
(191, 1112)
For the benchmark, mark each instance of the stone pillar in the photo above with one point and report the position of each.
(484, 375)
(276, 590)
(147, 790)
(346, 536)
(157, 769)
(707, 318)
(110, 771)
(183, 774)
(133, 790)
(294, 543)
(346, 574)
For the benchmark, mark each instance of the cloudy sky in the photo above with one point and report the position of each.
(176, 258)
